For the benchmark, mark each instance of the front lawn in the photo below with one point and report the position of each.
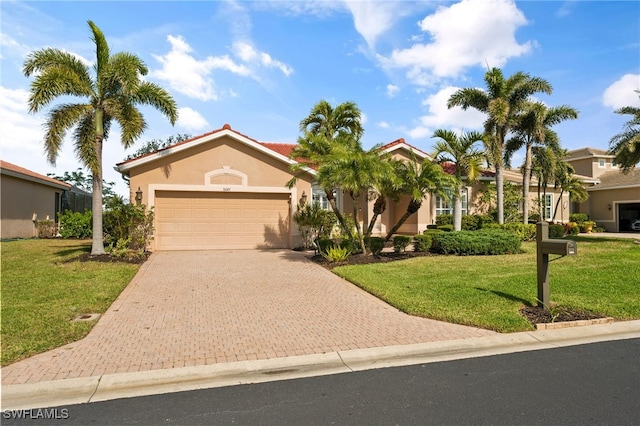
(43, 288)
(488, 291)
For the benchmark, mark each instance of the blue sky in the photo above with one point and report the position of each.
(261, 66)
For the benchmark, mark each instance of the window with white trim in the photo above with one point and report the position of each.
(602, 163)
(319, 196)
(547, 207)
(444, 206)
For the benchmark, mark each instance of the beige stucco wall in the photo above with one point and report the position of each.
(221, 165)
(604, 205)
(20, 201)
(590, 166)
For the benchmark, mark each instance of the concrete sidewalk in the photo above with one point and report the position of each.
(126, 385)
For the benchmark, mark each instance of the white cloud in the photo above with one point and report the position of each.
(465, 34)
(18, 129)
(191, 76)
(247, 53)
(373, 18)
(622, 92)
(392, 90)
(363, 118)
(440, 116)
(191, 119)
(382, 124)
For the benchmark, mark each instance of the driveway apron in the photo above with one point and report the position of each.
(204, 307)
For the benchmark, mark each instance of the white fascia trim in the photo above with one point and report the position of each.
(218, 188)
(408, 148)
(590, 157)
(208, 138)
(612, 188)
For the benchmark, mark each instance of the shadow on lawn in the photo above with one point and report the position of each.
(71, 250)
(507, 296)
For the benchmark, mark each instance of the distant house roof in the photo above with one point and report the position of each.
(582, 153)
(617, 180)
(402, 144)
(11, 169)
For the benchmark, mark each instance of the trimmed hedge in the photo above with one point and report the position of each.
(76, 225)
(524, 232)
(556, 231)
(422, 243)
(400, 243)
(375, 244)
(483, 242)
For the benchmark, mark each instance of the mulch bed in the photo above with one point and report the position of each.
(107, 258)
(540, 315)
(360, 259)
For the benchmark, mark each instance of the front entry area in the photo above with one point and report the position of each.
(187, 220)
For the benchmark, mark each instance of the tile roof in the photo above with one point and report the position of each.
(587, 152)
(281, 148)
(10, 167)
(616, 179)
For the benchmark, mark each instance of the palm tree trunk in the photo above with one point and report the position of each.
(526, 182)
(500, 192)
(97, 242)
(334, 207)
(413, 207)
(555, 210)
(457, 211)
(379, 207)
(356, 200)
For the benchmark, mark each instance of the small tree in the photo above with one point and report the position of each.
(314, 222)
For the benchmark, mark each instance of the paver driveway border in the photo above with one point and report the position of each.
(192, 308)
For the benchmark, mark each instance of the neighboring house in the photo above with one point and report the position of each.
(27, 197)
(614, 197)
(224, 189)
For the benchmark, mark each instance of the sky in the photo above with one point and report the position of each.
(260, 66)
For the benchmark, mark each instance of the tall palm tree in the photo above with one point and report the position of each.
(534, 127)
(567, 182)
(468, 160)
(386, 187)
(503, 100)
(355, 172)
(113, 92)
(327, 132)
(420, 179)
(547, 161)
(625, 146)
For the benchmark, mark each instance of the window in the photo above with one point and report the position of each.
(446, 206)
(602, 163)
(319, 196)
(547, 207)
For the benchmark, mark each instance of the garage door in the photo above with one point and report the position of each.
(213, 220)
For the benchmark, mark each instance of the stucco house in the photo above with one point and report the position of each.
(27, 197)
(614, 197)
(224, 189)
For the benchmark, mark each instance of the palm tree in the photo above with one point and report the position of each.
(420, 179)
(502, 102)
(327, 132)
(625, 146)
(534, 127)
(546, 163)
(112, 93)
(567, 182)
(468, 160)
(386, 187)
(355, 172)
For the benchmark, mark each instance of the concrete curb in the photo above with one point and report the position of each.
(126, 385)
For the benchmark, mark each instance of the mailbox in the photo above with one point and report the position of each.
(561, 247)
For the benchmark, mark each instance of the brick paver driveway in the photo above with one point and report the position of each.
(205, 307)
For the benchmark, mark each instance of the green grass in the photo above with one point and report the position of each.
(43, 288)
(488, 291)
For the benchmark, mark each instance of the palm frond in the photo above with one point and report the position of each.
(60, 120)
(157, 97)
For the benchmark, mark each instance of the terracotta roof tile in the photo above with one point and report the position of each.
(281, 148)
(21, 170)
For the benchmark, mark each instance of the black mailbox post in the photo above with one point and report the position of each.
(545, 247)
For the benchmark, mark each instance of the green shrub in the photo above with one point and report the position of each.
(523, 232)
(375, 244)
(444, 219)
(534, 217)
(572, 228)
(125, 221)
(470, 222)
(401, 242)
(324, 244)
(314, 222)
(578, 217)
(76, 225)
(483, 242)
(556, 231)
(599, 229)
(337, 254)
(446, 228)
(422, 243)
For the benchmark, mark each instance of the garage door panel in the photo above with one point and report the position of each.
(209, 220)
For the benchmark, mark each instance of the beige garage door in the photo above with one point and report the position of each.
(212, 220)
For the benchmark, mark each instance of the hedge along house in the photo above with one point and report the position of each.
(614, 197)
(29, 197)
(220, 190)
